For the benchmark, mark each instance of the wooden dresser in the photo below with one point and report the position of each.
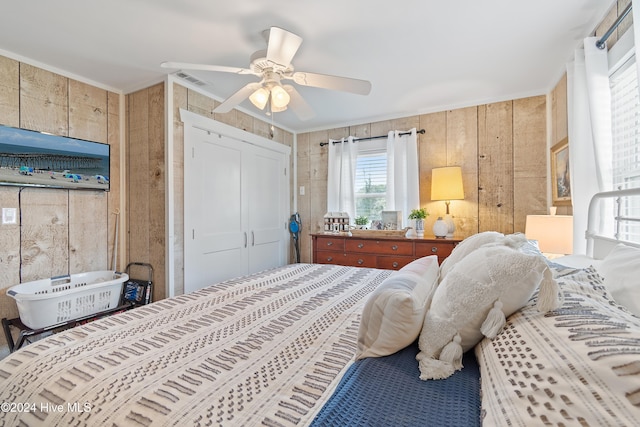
(378, 252)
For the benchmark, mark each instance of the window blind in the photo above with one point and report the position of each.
(625, 120)
(371, 184)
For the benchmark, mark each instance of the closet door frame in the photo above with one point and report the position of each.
(196, 128)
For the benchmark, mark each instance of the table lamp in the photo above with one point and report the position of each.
(446, 184)
(554, 233)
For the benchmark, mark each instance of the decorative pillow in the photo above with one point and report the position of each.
(486, 238)
(572, 366)
(467, 246)
(393, 315)
(474, 300)
(423, 266)
(620, 270)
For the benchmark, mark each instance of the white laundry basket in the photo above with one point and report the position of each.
(48, 302)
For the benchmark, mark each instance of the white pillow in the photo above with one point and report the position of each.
(474, 300)
(423, 266)
(393, 315)
(620, 270)
(487, 238)
(467, 246)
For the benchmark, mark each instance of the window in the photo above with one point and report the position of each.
(625, 123)
(371, 180)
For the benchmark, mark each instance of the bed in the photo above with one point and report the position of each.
(325, 345)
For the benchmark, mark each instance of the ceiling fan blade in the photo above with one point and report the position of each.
(283, 46)
(346, 84)
(237, 98)
(298, 105)
(205, 67)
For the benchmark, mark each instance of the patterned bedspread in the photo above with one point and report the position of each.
(578, 365)
(266, 349)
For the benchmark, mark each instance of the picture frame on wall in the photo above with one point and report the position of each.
(560, 173)
(37, 159)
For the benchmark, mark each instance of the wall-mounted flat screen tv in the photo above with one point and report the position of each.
(36, 159)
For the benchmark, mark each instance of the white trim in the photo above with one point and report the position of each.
(169, 190)
(294, 171)
(210, 125)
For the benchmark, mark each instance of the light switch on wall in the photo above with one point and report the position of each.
(302, 190)
(9, 215)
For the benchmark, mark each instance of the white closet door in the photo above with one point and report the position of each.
(266, 173)
(214, 217)
(236, 202)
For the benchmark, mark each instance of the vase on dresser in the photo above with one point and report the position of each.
(420, 228)
(440, 228)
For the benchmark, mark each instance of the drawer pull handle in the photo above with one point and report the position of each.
(329, 259)
(394, 247)
(360, 262)
(360, 245)
(434, 249)
(329, 243)
(395, 265)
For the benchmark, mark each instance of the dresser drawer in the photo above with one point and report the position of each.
(330, 243)
(329, 257)
(360, 260)
(386, 247)
(442, 249)
(393, 263)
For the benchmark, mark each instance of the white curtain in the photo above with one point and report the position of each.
(590, 138)
(403, 181)
(341, 176)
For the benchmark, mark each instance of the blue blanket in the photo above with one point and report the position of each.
(387, 391)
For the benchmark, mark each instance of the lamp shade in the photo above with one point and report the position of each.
(446, 183)
(554, 233)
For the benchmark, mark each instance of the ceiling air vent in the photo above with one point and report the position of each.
(190, 78)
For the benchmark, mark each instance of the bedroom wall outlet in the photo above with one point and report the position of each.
(9, 215)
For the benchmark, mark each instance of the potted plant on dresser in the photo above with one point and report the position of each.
(419, 215)
(361, 222)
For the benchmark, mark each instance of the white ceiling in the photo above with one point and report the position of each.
(420, 55)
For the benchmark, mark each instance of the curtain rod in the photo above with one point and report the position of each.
(322, 144)
(600, 43)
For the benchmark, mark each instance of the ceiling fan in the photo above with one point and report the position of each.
(274, 65)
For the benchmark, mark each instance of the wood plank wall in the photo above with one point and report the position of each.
(59, 231)
(145, 184)
(501, 148)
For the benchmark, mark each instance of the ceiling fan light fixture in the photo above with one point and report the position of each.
(276, 109)
(279, 98)
(259, 98)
